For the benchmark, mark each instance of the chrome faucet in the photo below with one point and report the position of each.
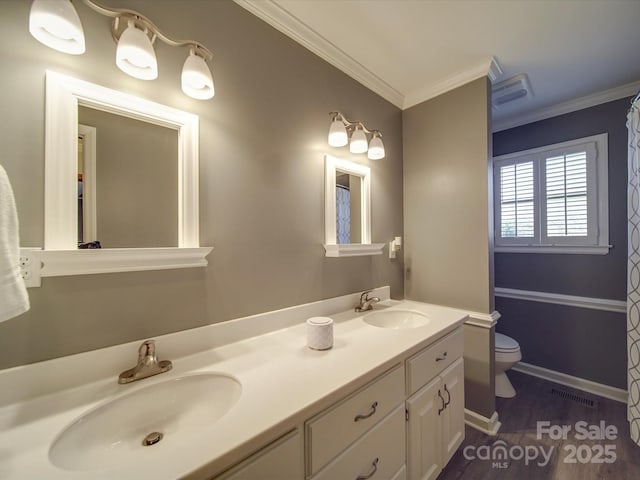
(147, 366)
(366, 303)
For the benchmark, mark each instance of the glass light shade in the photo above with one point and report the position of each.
(56, 24)
(376, 148)
(359, 142)
(196, 78)
(135, 55)
(338, 134)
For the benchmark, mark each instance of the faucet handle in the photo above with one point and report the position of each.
(365, 296)
(147, 365)
(147, 349)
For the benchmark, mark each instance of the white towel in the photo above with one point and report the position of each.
(13, 294)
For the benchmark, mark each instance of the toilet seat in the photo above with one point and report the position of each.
(505, 344)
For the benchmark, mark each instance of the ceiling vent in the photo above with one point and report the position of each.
(510, 91)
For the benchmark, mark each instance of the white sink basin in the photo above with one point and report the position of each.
(112, 434)
(396, 319)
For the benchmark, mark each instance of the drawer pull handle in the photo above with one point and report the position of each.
(443, 357)
(373, 471)
(444, 405)
(448, 397)
(374, 407)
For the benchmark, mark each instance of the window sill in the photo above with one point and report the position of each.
(353, 249)
(566, 249)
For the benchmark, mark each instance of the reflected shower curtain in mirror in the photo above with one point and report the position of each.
(343, 215)
(633, 273)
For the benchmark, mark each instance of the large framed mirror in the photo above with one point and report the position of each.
(348, 209)
(121, 173)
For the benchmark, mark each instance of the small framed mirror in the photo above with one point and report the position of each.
(133, 205)
(348, 209)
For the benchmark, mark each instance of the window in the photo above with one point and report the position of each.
(553, 199)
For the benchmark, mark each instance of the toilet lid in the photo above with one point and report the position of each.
(505, 343)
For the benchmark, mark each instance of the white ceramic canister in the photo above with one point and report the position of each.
(320, 333)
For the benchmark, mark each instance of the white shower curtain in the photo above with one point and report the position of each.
(633, 273)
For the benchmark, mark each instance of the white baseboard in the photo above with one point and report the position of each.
(600, 389)
(488, 426)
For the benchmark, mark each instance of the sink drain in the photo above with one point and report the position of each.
(152, 439)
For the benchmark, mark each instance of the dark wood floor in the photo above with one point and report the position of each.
(519, 435)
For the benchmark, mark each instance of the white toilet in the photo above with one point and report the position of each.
(507, 355)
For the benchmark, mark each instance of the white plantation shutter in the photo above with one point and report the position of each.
(517, 200)
(566, 205)
(555, 196)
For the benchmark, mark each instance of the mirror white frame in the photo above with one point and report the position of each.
(61, 255)
(331, 246)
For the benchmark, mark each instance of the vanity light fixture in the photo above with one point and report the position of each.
(56, 24)
(196, 76)
(340, 130)
(376, 147)
(358, 142)
(134, 54)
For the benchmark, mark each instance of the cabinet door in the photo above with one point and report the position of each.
(280, 460)
(452, 380)
(424, 432)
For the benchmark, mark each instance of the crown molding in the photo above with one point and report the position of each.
(626, 90)
(487, 67)
(291, 26)
(281, 20)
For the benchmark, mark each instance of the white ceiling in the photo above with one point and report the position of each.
(575, 52)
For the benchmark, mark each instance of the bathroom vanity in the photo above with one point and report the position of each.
(386, 402)
(413, 425)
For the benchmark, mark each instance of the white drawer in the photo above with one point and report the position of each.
(379, 455)
(428, 363)
(280, 459)
(332, 431)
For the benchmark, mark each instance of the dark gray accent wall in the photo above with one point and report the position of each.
(263, 138)
(580, 342)
(600, 276)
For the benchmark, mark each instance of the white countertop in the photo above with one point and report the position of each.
(283, 384)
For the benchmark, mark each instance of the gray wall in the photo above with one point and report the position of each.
(585, 343)
(136, 181)
(262, 141)
(447, 200)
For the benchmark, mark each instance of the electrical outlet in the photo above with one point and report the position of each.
(30, 266)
